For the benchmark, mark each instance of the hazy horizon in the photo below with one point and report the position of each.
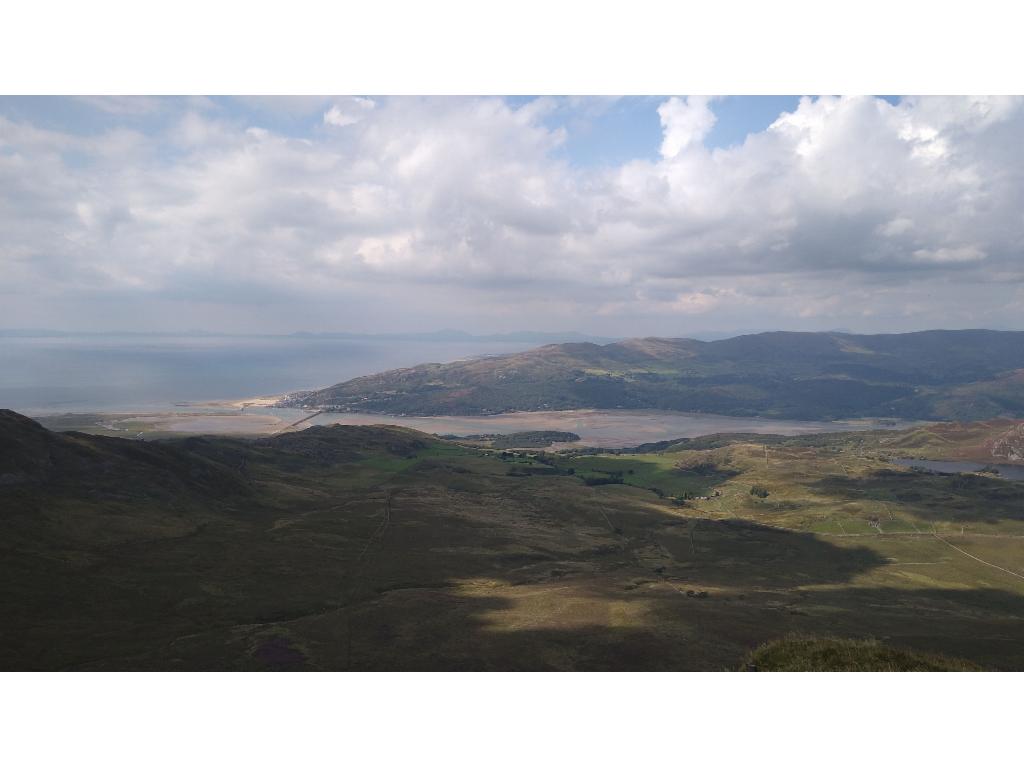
(444, 333)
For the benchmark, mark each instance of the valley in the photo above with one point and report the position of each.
(357, 547)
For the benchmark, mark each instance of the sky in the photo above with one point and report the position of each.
(662, 215)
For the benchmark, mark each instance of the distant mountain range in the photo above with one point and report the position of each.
(940, 375)
(537, 337)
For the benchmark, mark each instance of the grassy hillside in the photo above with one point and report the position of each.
(833, 654)
(940, 375)
(384, 548)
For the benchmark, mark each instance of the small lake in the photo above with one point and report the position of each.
(1006, 471)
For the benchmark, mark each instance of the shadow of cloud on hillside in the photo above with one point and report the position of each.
(959, 498)
(545, 610)
(628, 616)
(545, 615)
(407, 607)
(448, 565)
(741, 554)
(446, 630)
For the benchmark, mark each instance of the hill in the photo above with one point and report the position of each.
(345, 547)
(933, 375)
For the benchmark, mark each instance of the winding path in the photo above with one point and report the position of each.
(985, 562)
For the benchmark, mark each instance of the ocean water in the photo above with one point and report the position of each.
(119, 373)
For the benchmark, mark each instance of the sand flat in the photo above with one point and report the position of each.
(619, 428)
(221, 423)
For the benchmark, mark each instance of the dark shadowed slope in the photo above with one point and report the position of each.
(937, 375)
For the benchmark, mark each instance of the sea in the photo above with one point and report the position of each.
(42, 375)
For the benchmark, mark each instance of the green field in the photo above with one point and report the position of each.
(654, 472)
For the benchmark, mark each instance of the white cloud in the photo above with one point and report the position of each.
(896, 227)
(966, 253)
(349, 112)
(695, 302)
(463, 210)
(685, 121)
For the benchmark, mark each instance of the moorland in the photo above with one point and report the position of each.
(379, 547)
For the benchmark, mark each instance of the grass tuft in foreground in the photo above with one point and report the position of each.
(805, 653)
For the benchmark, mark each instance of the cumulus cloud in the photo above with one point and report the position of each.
(685, 121)
(348, 112)
(844, 212)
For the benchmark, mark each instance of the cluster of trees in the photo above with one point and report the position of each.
(613, 478)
